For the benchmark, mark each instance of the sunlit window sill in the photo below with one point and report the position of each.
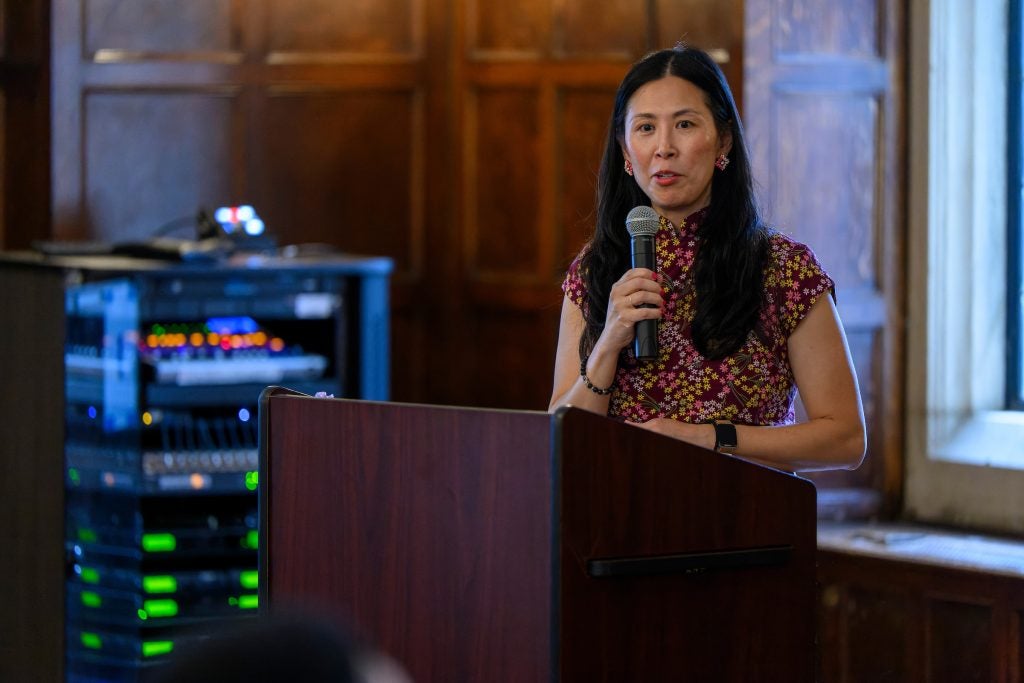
(925, 545)
(991, 439)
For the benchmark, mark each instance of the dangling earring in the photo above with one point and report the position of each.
(628, 166)
(721, 162)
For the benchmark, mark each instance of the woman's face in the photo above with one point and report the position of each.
(672, 143)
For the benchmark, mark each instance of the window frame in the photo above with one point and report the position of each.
(964, 450)
(1015, 206)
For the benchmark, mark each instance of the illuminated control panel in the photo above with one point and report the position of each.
(225, 351)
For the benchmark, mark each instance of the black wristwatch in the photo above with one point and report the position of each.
(725, 436)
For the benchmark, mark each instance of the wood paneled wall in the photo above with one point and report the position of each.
(825, 85)
(905, 622)
(460, 138)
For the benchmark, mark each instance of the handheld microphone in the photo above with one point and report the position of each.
(642, 225)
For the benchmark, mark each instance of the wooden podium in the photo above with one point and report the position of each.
(488, 546)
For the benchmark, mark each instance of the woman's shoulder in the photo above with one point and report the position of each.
(784, 245)
(792, 260)
(576, 266)
(795, 280)
(787, 252)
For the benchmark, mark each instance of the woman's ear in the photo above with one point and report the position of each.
(725, 142)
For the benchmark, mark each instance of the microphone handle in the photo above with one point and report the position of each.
(645, 341)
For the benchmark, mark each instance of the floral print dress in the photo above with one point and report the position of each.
(753, 386)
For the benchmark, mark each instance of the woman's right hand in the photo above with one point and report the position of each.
(637, 286)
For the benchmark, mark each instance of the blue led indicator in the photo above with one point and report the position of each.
(92, 412)
(232, 325)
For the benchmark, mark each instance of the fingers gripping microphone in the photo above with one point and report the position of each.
(642, 225)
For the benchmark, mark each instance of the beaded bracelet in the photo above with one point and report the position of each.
(586, 380)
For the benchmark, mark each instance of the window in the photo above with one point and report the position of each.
(965, 441)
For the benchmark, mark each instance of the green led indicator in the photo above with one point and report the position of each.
(74, 477)
(252, 480)
(159, 609)
(159, 584)
(86, 535)
(90, 575)
(248, 601)
(142, 614)
(233, 601)
(251, 540)
(91, 640)
(152, 648)
(249, 579)
(90, 599)
(159, 543)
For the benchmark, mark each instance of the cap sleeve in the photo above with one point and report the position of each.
(573, 286)
(799, 281)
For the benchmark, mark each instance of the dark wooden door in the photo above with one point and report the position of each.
(534, 85)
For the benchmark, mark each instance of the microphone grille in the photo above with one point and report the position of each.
(642, 220)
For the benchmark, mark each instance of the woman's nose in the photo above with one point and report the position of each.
(665, 149)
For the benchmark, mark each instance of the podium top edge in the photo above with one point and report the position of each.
(284, 392)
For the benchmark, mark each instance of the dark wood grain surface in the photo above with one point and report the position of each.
(459, 540)
(429, 528)
(630, 493)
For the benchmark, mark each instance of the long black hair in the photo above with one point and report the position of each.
(733, 241)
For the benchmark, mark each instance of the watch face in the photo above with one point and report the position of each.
(725, 435)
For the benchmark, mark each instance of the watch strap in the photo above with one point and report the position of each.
(725, 436)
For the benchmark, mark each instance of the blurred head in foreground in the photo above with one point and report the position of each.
(295, 649)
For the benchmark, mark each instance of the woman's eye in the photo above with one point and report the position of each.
(683, 124)
(645, 128)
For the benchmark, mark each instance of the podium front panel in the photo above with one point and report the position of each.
(678, 563)
(426, 528)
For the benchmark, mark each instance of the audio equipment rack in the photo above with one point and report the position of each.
(163, 366)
